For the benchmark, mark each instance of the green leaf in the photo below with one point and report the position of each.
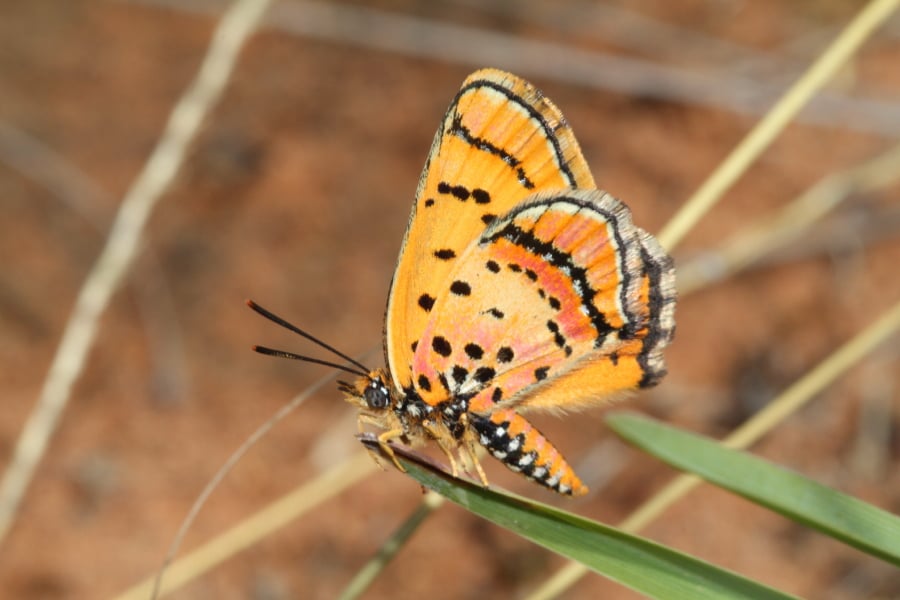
(635, 562)
(843, 517)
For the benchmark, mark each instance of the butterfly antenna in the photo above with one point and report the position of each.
(291, 355)
(278, 320)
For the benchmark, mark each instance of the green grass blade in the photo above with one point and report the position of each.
(838, 515)
(637, 563)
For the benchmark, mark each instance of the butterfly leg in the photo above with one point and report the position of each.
(471, 450)
(383, 439)
(447, 443)
(444, 441)
(511, 439)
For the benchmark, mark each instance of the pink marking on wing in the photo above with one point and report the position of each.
(549, 225)
(577, 231)
(595, 247)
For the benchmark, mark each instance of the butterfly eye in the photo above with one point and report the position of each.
(377, 396)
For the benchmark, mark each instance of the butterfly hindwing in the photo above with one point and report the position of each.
(550, 307)
(499, 142)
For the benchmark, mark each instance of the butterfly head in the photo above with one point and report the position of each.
(371, 394)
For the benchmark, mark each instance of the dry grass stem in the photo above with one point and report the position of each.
(751, 147)
(120, 250)
(357, 25)
(753, 244)
(249, 531)
(370, 571)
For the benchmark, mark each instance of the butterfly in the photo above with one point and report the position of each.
(520, 287)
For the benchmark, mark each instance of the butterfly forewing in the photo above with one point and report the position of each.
(519, 286)
(500, 141)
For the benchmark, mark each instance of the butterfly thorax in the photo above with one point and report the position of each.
(402, 412)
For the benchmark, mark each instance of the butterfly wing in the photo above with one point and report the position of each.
(559, 304)
(499, 142)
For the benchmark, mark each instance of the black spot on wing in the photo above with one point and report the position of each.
(426, 302)
(481, 196)
(445, 254)
(484, 374)
(474, 351)
(558, 338)
(441, 346)
(461, 288)
(459, 192)
(443, 379)
(462, 193)
(424, 384)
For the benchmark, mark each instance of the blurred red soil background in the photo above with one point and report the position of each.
(296, 194)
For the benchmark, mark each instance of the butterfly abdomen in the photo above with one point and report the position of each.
(518, 444)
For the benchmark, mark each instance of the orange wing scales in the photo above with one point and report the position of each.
(519, 287)
(500, 141)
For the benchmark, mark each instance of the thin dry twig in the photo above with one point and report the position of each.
(53, 172)
(871, 452)
(121, 247)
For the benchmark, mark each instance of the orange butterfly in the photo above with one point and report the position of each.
(519, 287)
